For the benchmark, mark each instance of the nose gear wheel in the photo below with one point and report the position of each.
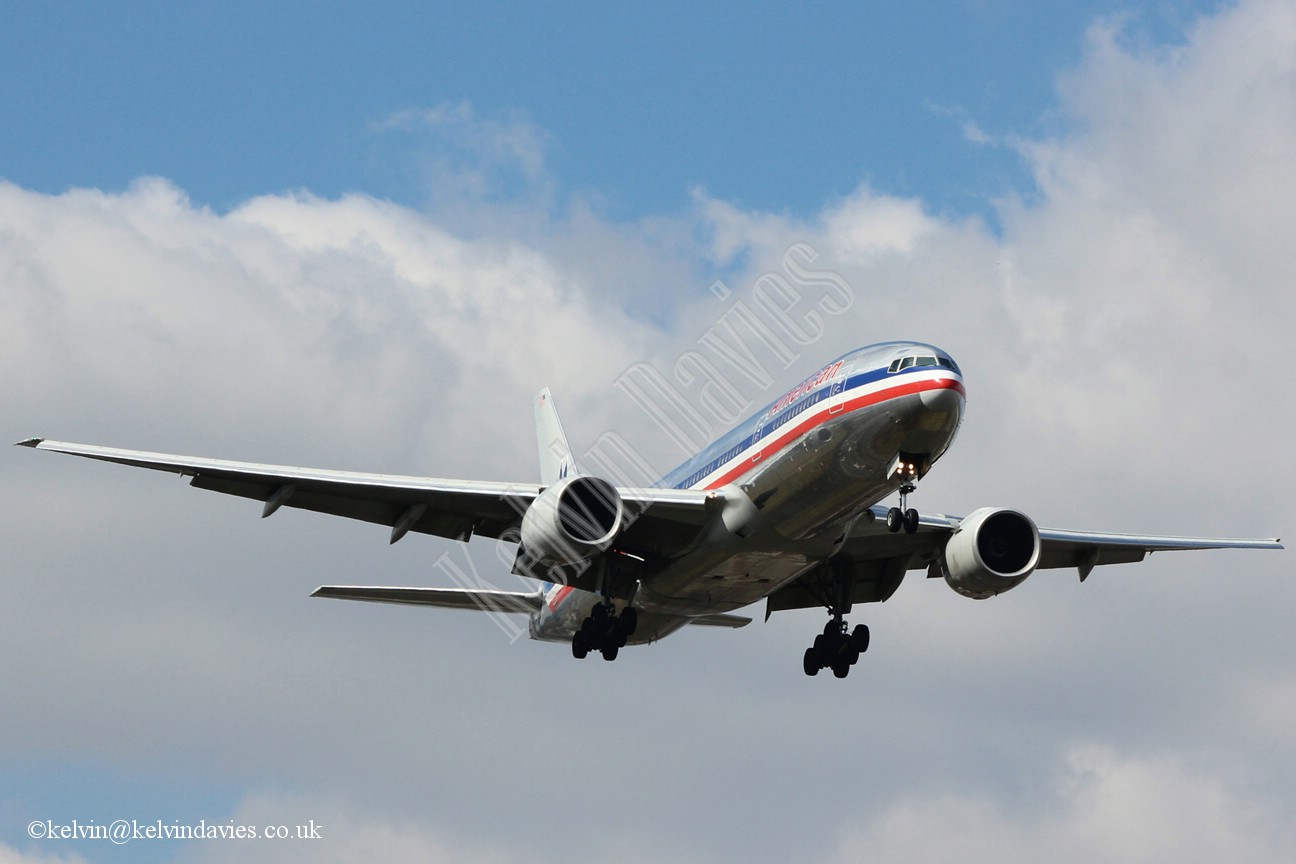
(903, 517)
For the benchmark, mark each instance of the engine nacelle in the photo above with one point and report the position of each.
(572, 521)
(992, 550)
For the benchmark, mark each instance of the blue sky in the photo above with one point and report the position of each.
(772, 106)
(362, 237)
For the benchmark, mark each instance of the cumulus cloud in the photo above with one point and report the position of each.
(339, 312)
(1104, 807)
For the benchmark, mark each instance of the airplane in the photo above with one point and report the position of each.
(786, 508)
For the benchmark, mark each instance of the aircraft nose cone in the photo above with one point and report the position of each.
(946, 400)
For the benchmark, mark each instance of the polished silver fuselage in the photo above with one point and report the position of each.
(812, 465)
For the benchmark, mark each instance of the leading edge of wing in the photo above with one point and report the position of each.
(1155, 542)
(1147, 542)
(446, 598)
(193, 465)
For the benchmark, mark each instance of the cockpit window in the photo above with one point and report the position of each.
(923, 360)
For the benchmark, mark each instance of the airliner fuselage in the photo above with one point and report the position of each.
(811, 464)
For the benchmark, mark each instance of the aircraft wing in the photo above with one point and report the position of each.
(457, 509)
(881, 558)
(479, 600)
(447, 598)
(1063, 547)
(1084, 551)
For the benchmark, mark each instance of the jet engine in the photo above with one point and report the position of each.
(992, 550)
(572, 521)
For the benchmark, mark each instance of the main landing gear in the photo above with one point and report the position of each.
(605, 631)
(836, 649)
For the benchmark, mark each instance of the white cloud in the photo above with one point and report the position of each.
(868, 225)
(477, 168)
(9, 855)
(1105, 807)
(332, 833)
(261, 313)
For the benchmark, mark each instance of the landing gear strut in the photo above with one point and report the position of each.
(836, 648)
(605, 631)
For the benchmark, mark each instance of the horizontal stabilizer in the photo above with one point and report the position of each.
(720, 620)
(448, 598)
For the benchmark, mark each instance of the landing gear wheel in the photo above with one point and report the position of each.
(911, 521)
(629, 620)
(610, 651)
(860, 638)
(580, 645)
(895, 520)
(838, 647)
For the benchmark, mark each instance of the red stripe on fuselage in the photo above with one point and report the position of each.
(772, 449)
(563, 593)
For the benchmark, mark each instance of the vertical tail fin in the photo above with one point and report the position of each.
(555, 456)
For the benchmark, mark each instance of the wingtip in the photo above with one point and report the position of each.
(29, 442)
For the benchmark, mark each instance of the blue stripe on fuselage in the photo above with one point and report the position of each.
(745, 434)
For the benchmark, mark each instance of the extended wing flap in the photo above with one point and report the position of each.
(721, 619)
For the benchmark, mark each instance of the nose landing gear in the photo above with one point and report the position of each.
(903, 517)
(909, 467)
